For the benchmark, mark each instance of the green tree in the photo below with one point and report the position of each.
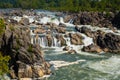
(4, 64)
(2, 26)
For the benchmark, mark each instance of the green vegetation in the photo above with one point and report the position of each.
(30, 48)
(63, 5)
(2, 26)
(4, 64)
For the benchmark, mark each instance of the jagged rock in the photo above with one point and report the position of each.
(67, 18)
(85, 30)
(92, 48)
(49, 39)
(47, 65)
(38, 71)
(61, 30)
(17, 44)
(24, 21)
(62, 25)
(109, 41)
(66, 48)
(12, 73)
(61, 40)
(51, 25)
(76, 39)
(72, 51)
(13, 21)
(101, 19)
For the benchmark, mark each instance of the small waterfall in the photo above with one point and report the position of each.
(71, 21)
(43, 41)
(32, 39)
(68, 42)
(55, 43)
(87, 40)
(61, 20)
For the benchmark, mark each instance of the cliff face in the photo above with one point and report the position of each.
(26, 59)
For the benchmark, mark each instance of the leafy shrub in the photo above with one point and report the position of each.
(4, 64)
(2, 26)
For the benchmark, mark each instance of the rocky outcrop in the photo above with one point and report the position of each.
(24, 21)
(39, 31)
(61, 39)
(109, 42)
(92, 48)
(84, 30)
(49, 39)
(101, 19)
(69, 50)
(76, 39)
(116, 20)
(16, 43)
(61, 30)
(66, 48)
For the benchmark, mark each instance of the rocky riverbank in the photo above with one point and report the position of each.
(27, 60)
(100, 19)
(33, 30)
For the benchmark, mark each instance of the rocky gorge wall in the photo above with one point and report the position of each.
(27, 60)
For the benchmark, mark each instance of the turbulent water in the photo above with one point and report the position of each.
(90, 66)
(80, 66)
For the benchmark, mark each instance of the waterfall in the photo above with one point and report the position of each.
(32, 39)
(71, 21)
(43, 41)
(61, 20)
(87, 40)
(55, 43)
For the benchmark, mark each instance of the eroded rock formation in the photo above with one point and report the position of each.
(26, 58)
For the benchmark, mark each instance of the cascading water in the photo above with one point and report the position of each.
(71, 21)
(89, 66)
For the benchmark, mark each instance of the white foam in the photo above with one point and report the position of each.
(90, 54)
(111, 65)
(45, 20)
(58, 64)
(87, 40)
(17, 18)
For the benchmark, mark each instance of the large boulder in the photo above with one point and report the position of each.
(61, 30)
(109, 41)
(66, 48)
(61, 39)
(24, 21)
(76, 39)
(92, 48)
(49, 39)
(84, 30)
